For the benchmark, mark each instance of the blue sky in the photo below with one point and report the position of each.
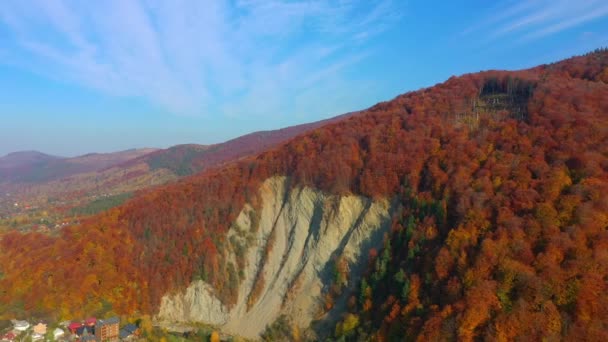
(100, 76)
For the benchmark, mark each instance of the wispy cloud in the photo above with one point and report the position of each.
(192, 57)
(529, 20)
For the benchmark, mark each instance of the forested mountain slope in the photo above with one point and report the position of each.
(498, 184)
(184, 160)
(54, 184)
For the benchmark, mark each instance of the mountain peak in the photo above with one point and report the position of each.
(22, 158)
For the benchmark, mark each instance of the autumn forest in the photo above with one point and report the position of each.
(499, 182)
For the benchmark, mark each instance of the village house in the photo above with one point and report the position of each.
(20, 325)
(129, 331)
(57, 333)
(84, 330)
(8, 337)
(90, 322)
(40, 329)
(93, 329)
(107, 330)
(74, 326)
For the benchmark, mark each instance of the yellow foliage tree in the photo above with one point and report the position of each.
(146, 324)
(350, 323)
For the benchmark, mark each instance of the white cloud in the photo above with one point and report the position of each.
(534, 19)
(569, 22)
(191, 57)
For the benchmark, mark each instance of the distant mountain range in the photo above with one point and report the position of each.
(35, 177)
(24, 159)
(37, 167)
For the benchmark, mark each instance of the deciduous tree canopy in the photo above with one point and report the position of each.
(503, 183)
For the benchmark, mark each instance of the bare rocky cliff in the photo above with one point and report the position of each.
(288, 258)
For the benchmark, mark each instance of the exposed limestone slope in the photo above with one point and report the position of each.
(288, 258)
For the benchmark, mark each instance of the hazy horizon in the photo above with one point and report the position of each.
(104, 77)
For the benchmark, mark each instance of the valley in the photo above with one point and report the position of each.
(43, 193)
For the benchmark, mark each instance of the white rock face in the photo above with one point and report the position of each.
(299, 231)
(185, 307)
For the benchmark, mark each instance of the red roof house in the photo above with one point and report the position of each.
(9, 336)
(74, 326)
